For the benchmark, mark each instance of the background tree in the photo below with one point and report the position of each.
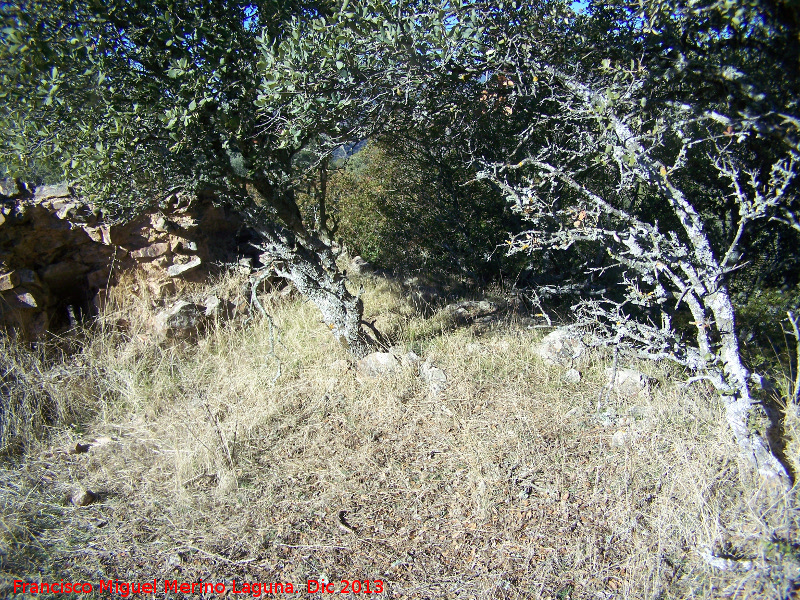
(403, 205)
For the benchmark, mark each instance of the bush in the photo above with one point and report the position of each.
(407, 214)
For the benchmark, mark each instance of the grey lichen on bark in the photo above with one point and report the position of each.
(309, 263)
(659, 268)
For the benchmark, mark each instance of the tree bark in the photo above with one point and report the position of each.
(739, 403)
(310, 264)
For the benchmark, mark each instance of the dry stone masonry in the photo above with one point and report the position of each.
(58, 254)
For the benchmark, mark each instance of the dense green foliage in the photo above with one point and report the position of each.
(134, 98)
(404, 213)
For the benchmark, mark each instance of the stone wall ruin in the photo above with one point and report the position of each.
(58, 255)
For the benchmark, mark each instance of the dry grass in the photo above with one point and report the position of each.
(504, 486)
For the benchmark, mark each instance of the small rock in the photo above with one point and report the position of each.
(9, 281)
(66, 211)
(180, 321)
(79, 448)
(183, 246)
(213, 306)
(174, 561)
(410, 358)
(161, 224)
(339, 366)
(83, 497)
(23, 298)
(105, 234)
(161, 289)
(179, 269)
(572, 376)
(434, 377)
(561, 346)
(217, 307)
(94, 233)
(377, 364)
(628, 382)
(618, 439)
(358, 266)
(469, 310)
(151, 251)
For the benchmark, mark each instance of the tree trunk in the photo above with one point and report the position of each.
(739, 403)
(314, 273)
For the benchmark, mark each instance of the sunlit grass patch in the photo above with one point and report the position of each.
(270, 456)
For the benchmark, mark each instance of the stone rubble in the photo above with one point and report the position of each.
(57, 251)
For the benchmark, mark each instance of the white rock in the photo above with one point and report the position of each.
(434, 377)
(628, 382)
(216, 307)
(411, 357)
(619, 438)
(358, 266)
(179, 269)
(407, 359)
(561, 346)
(572, 376)
(377, 364)
(83, 497)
